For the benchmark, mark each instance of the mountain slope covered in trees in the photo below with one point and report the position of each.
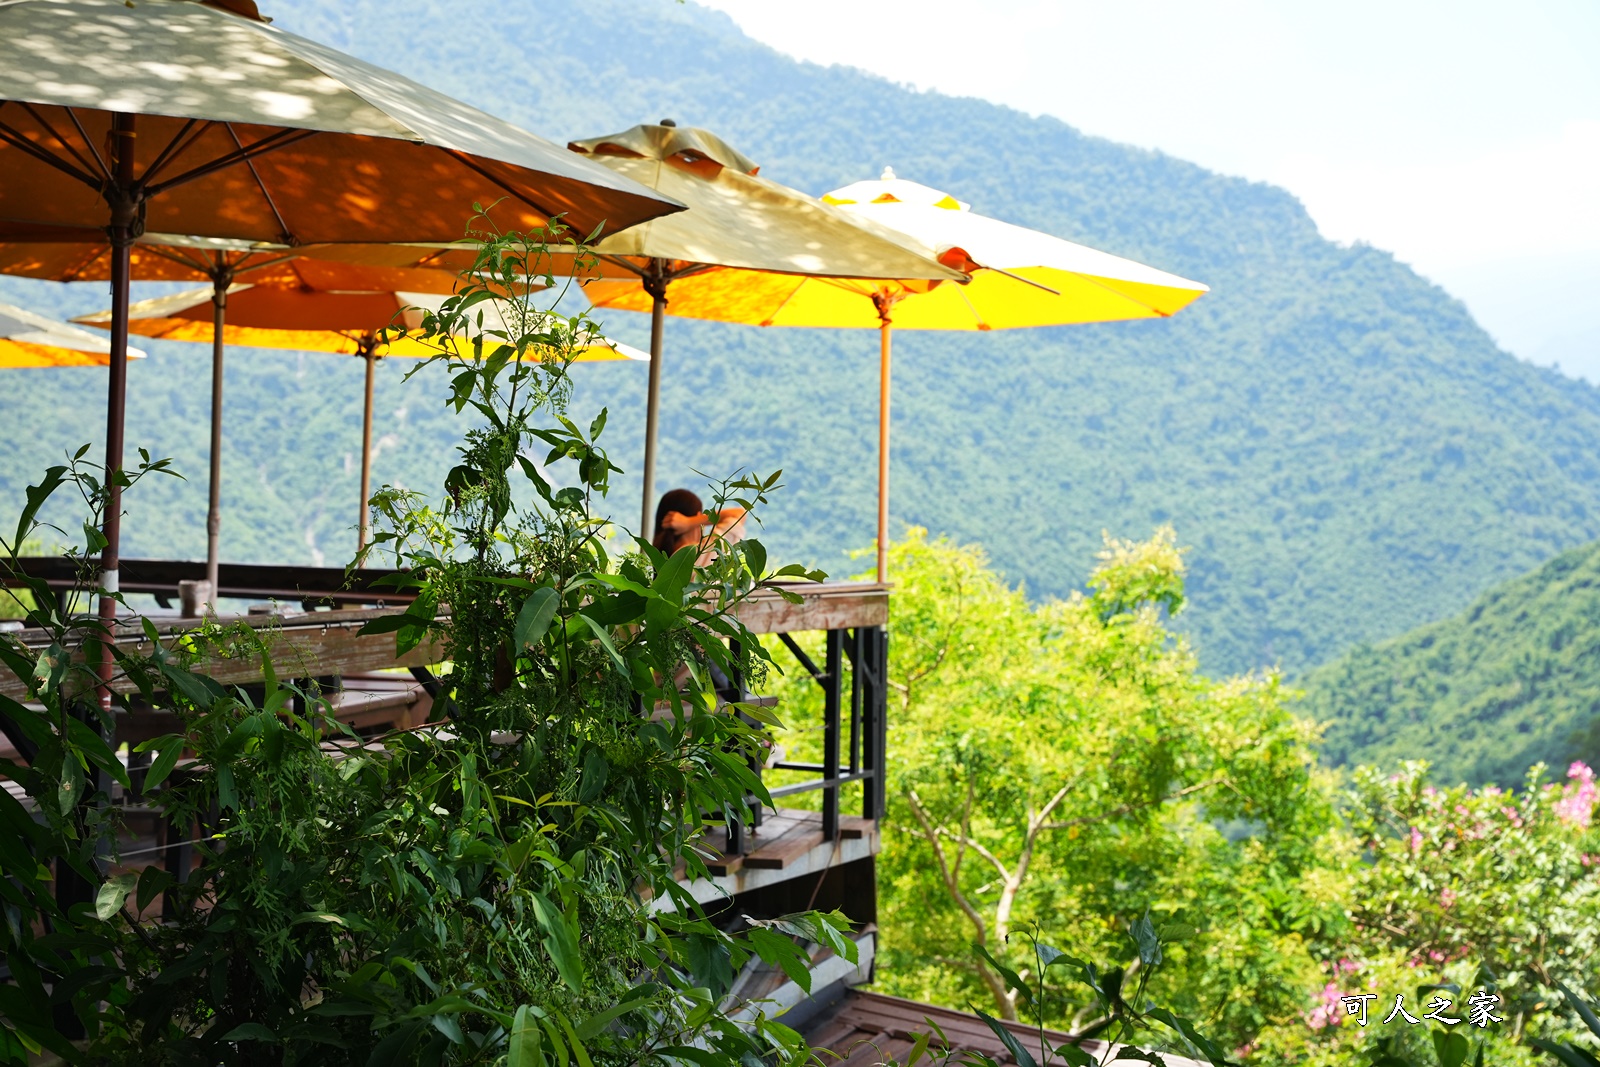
(1346, 451)
(1513, 680)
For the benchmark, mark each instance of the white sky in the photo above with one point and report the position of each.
(1461, 135)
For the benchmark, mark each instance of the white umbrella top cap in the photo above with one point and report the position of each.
(188, 59)
(968, 241)
(891, 190)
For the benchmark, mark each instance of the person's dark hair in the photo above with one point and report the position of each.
(679, 501)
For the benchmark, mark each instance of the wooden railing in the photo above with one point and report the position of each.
(326, 643)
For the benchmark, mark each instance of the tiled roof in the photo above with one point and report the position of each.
(864, 1029)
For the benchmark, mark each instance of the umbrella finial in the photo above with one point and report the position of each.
(669, 123)
(888, 175)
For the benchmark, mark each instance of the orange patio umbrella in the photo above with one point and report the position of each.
(320, 314)
(198, 118)
(171, 257)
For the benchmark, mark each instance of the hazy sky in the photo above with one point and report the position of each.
(1462, 136)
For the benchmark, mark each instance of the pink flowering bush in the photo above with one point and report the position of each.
(1479, 888)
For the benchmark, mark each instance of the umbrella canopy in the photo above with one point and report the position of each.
(29, 340)
(748, 238)
(337, 149)
(318, 312)
(176, 257)
(1019, 277)
(184, 117)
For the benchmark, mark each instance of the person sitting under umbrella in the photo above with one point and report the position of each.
(680, 518)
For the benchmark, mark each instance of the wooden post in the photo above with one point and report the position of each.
(655, 283)
(885, 347)
(369, 353)
(221, 280)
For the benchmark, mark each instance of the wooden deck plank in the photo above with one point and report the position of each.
(319, 643)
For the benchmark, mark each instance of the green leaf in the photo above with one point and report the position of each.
(1570, 1055)
(170, 749)
(153, 880)
(595, 772)
(533, 621)
(1075, 1056)
(1184, 1027)
(1020, 1055)
(1011, 977)
(600, 1020)
(674, 575)
(386, 624)
(1144, 935)
(1451, 1048)
(250, 1032)
(605, 642)
(1584, 1011)
(755, 557)
(523, 1049)
(560, 941)
(191, 686)
(108, 901)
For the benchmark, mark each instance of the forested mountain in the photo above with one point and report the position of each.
(1346, 451)
(1513, 680)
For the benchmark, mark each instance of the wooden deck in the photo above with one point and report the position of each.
(315, 644)
(788, 844)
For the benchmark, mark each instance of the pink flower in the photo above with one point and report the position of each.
(1349, 966)
(1416, 841)
(1326, 1013)
(1436, 956)
(1447, 897)
(1576, 807)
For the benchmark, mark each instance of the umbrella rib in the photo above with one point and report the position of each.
(982, 325)
(173, 151)
(779, 309)
(283, 227)
(473, 165)
(271, 143)
(63, 142)
(1092, 280)
(88, 142)
(16, 140)
(622, 261)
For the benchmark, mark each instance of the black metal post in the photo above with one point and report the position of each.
(874, 671)
(831, 699)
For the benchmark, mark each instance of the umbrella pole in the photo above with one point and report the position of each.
(121, 232)
(885, 340)
(369, 354)
(220, 279)
(655, 283)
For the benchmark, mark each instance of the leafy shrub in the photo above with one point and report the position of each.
(499, 887)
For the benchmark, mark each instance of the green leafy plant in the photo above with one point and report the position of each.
(500, 887)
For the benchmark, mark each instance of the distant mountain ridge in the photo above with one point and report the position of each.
(1347, 452)
(1512, 681)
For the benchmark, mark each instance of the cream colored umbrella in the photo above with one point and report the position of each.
(198, 118)
(754, 241)
(310, 318)
(30, 340)
(1019, 277)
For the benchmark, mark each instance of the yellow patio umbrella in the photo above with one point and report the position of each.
(29, 340)
(1019, 277)
(307, 317)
